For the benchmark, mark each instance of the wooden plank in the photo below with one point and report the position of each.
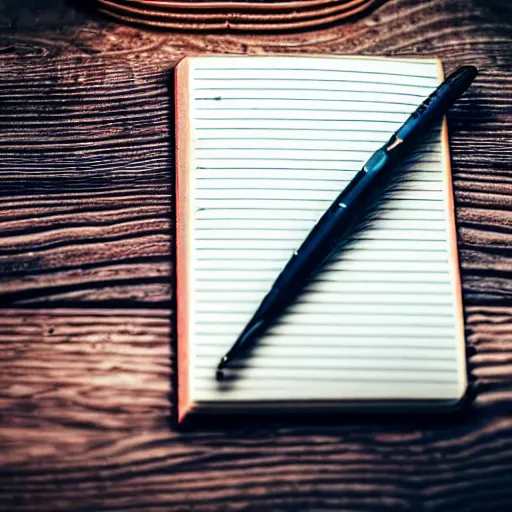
(87, 149)
(85, 416)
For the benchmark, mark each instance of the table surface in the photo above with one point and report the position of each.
(87, 347)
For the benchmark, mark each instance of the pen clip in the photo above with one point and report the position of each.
(393, 143)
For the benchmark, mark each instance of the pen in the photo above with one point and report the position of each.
(345, 211)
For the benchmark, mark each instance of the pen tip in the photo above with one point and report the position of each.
(220, 372)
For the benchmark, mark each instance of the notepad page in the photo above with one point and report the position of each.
(274, 141)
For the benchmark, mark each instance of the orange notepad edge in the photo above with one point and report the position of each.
(453, 250)
(184, 212)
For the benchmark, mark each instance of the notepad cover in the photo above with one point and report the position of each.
(264, 145)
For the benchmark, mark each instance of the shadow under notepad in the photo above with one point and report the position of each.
(277, 414)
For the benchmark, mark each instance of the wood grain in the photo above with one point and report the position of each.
(86, 148)
(85, 414)
(86, 280)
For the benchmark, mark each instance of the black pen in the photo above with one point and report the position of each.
(346, 210)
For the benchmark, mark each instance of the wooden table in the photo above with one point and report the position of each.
(87, 349)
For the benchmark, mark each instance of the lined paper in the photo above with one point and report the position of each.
(275, 139)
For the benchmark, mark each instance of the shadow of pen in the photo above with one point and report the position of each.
(382, 194)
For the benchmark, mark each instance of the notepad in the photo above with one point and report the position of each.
(264, 145)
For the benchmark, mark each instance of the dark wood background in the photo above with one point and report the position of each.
(86, 248)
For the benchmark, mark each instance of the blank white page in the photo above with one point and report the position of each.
(274, 141)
